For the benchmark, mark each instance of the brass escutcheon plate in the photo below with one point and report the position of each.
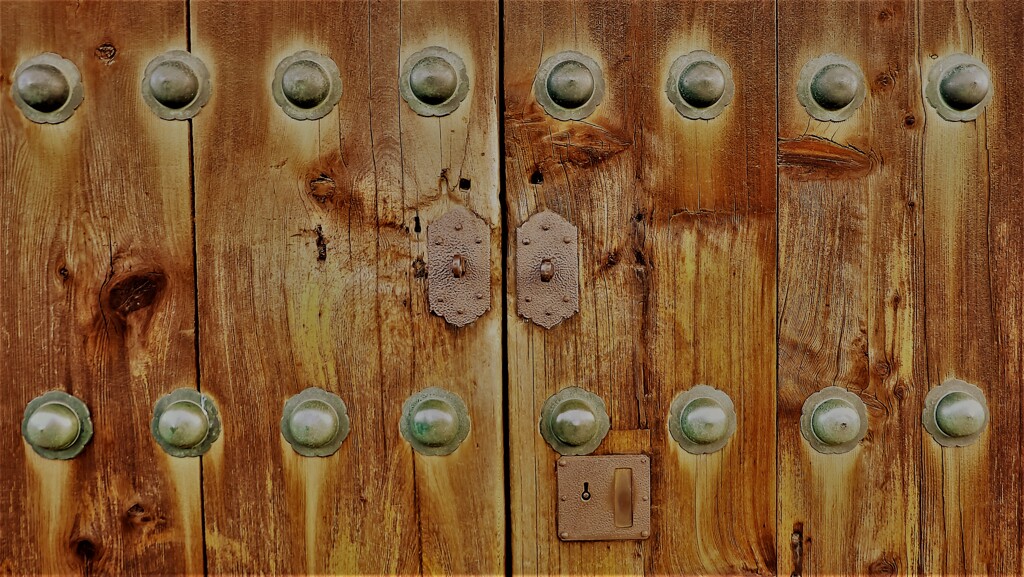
(547, 269)
(459, 266)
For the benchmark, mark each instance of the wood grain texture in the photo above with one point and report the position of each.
(90, 210)
(851, 292)
(311, 258)
(974, 214)
(677, 272)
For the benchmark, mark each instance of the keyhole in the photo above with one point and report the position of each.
(586, 492)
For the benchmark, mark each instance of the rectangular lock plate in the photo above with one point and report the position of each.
(604, 497)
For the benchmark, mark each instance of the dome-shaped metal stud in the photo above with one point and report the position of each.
(185, 423)
(831, 88)
(307, 85)
(176, 85)
(56, 425)
(834, 420)
(315, 422)
(702, 419)
(955, 413)
(435, 421)
(434, 82)
(959, 87)
(700, 85)
(569, 85)
(47, 88)
(574, 421)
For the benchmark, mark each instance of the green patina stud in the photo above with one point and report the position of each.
(574, 421)
(959, 87)
(702, 419)
(315, 422)
(831, 87)
(435, 421)
(834, 420)
(57, 425)
(434, 81)
(185, 423)
(47, 88)
(569, 85)
(700, 85)
(176, 85)
(955, 413)
(307, 85)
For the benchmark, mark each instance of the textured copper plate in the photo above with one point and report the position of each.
(593, 504)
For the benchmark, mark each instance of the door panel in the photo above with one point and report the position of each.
(311, 243)
(973, 215)
(676, 225)
(96, 297)
(850, 292)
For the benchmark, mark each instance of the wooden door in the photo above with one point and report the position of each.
(264, 255)
(677, 277)
(753, 244)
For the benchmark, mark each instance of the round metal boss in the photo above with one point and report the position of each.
(434, 421)
(834, 420)
(955, 413)
(315, 422)
(569, 85)
(574, 421)
(702, 419)
(307, 85)
(185, 423)
(176, 85)
(959, 87)
(47, 88)
(700, 85)
(434, 82)
(831, 88)
(56, 425)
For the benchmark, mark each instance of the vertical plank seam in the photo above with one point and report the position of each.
(778, 322)
(921, 563)
(195, 286)
(506, 424)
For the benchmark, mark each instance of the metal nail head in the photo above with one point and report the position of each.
(700, 85)
(435, 421)
(574, 421)
(176, 85)
(307, 85)
(955, 413)
(569, 85)
(702, 419)
(315, 422)
(434, 82)
(831, 88)
(834, 420)
(185, 423)
(56, 425)
(959, 87)
(47, 88)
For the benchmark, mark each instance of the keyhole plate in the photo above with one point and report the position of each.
(619, 507)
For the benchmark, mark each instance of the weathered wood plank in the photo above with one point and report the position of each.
(974, 214)
(89, 210)
(850, 292)
(677, 221)
(311, 244)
